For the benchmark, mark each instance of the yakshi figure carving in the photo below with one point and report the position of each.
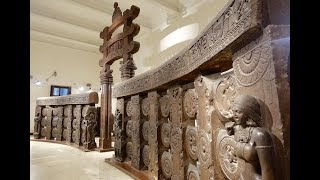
(253, 142)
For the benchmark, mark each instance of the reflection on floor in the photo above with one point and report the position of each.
(51, 161)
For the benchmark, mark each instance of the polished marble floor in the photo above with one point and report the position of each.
(51, 161)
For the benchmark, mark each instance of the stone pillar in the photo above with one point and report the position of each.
(106, 80)
(152, 133)
(204, 140)
(37, 122)
(175, 101)
(136, 160)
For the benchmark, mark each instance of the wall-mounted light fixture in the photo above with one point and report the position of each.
(53, 74)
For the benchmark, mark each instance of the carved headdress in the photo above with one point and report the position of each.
(250, 106)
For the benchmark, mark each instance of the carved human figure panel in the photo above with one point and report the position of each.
(88, 127)
(247, 150)
(37, 122)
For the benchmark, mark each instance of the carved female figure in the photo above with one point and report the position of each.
(253, 142)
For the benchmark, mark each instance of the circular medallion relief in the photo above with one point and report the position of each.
(164, 106)
(145, 155)
(145, 130)
(129, 128)
(190, 103)
(129, 108)
(166, 164)
(204, 149)
(145, 106)
(191, 142)
(165, 134)
(229, 162)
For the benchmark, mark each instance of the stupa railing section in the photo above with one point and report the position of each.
(70, 119)
(175, 121)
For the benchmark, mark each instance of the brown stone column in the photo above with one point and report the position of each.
(105, 111)
(136, 160)
(153, 138)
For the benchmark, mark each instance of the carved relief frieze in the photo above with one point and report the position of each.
(83, 98)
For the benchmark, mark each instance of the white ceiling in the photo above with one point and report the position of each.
(77, 23)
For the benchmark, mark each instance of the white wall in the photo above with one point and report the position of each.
(150, 55)
(74, 68)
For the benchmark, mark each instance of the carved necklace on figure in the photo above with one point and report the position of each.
(243, 134)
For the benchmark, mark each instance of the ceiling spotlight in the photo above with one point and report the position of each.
(81, 88)
(38, 83)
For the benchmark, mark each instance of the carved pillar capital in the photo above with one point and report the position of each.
(127, 68)
(106, 76)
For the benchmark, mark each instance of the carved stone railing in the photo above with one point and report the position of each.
(70, 119)
(218, 110)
